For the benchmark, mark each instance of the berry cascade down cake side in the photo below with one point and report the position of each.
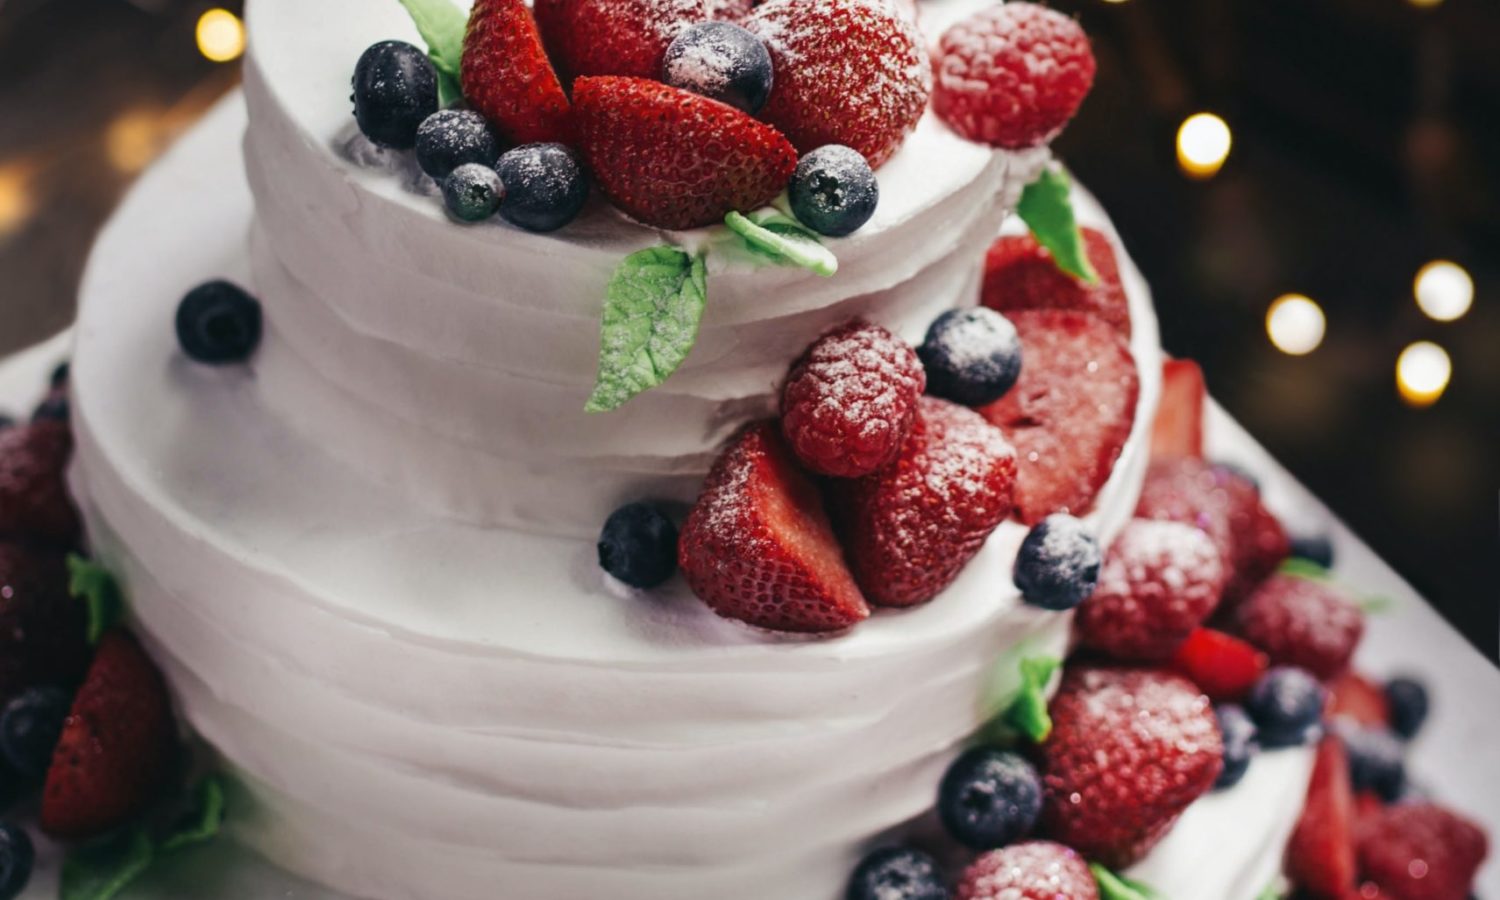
(658, 449)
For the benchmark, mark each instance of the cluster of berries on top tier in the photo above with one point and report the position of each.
(682, 111)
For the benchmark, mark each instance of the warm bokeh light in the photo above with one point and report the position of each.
(221, 35)
(1444, 290)
(1425, 4)
(1422, 373)
(134, 139)
(1295, 324)
(1203, 144)
(16, 202)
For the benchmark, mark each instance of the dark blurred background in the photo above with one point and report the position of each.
(1364, 144)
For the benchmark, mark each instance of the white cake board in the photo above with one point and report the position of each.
(1453, 759)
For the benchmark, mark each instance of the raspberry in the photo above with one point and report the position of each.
(507, 77)
(1012, 75)
(1160, 581)
(1303, 623)
(1019, 273)
(851, 399)
(1130, 749)
(758, 546)
(910, 528)
(849, 72)
(1035, 870)
(34, 502)
(1419, 851)
(41, 626)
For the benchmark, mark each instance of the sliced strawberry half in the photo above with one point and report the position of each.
(1020, 273)
(758, 546)
(1353, 696)
(508, 78)
(1070, 413)
(674, 159)
(1178, 429)
(116, 745)
(1223, 666)
(1320, 858)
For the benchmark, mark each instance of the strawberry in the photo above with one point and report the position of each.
(1178, 429)
(1071, 411)
(674, 159)
(1019, 273)
(851, 399)
(849, 72)
(1303, 623)
(1160, 580)
(34, 502)
(758, 546)
(1013, 75)
(1130, 749)
(1227, 505)
(506, 75)
(910, 528)
(616, 37)
(1353, 696)
(1419, 851)
(116, 746)
(1034, 870)
(41, 626)
(1320, 856)
(1223, 666)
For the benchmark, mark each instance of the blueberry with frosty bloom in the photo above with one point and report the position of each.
(545, 187)
(473, 192)
(833, 190)
(721, 61)
(451, 138)
(395, 89)
(1058, 565)
(972, 356)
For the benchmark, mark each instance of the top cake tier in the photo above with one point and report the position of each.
(454, 362)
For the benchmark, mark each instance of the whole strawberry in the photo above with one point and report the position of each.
(1035, 870)
(1420, 851)
(1013, 75)
(41, 625)
(1160, 581)
(615, 37)
(1130, 749)
(674, 159)
(910, 528)
(1320, 855)
(116, 746)
(849, 72)
(34, 502)
(758, 546)
(508, 78)
(850, 401)
(1303, 623)
(1070, 413)
(1019, 273)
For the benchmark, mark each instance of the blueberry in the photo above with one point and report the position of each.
(722, 61)
(545, 187)
(1315, 548)
(16, 858)
(989, 798)
(29, 729)
(473, 192)
(1240, 744)
(1058, 565)
(218, 322)
(7, 421)
(60, 375)
(53, 408)
(451, 138)
(972, 356)
(1377, 759)
(833, 191)
(638, 545)
(1408, 702)
(1287, 706)
(1235, 470)
(897, 873)
(395, 89)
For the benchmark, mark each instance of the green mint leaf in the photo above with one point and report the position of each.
(1297, 567)
(652, 310)
(1272, 892)
(783, 240)
(1118, 887)
(1377, 604)
(204, 819)
(1047, 209)
(90, 582)
(101, 871)
(1028, 712)
(442, 25)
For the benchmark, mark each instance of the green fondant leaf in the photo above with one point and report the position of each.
(783, 240)
(96, 587)
(204, 819)
(1297, 567)
(442, 25)
(652, 310)
(1118, 887)
(101, 871)
(1028, 712)
(1047, 209)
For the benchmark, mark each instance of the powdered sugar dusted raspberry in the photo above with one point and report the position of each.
(1035, 870)
(852, 72)
(1303, 623)
(1160, 580)
(850, 401)
(1013, 75)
